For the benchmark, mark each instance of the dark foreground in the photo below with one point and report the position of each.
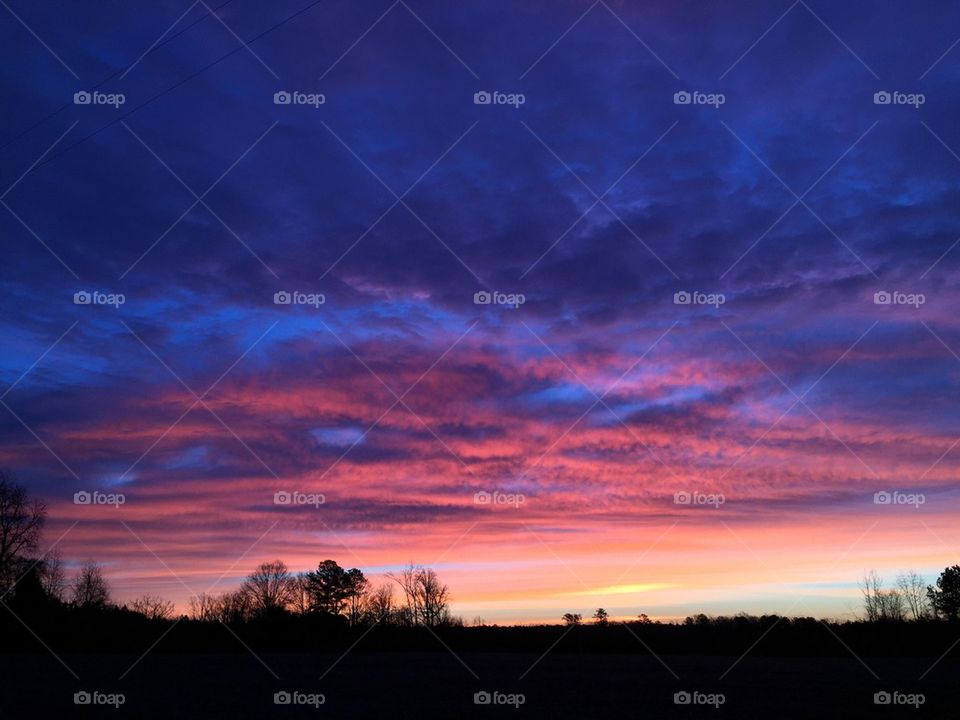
(440, 685)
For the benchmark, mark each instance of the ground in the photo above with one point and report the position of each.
(439, 685)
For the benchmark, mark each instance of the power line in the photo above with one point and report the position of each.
(178, 84)
(103, 82)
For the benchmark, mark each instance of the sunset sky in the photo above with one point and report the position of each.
(794, 398)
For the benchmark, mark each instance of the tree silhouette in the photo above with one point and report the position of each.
(333, 589)
(945, 598)
(228, 607)
(426, 597)
(269, 588)
(153, 607)
(20, 524)
(879, 603)
(912, 588)
(301, 594)
(52, 576)
(379, 604)
(357, 585)
(90, 588)
(572, 618)
(30, 595)
(601, 616)
(433, 597)
(201, 608)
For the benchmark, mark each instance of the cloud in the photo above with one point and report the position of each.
(399, 198)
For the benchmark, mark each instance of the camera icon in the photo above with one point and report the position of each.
(682, 698)
(282, 97)
(482, 98)
(82, 498)
(682, 98)
(882, 498)
(682, 298)
(882, 698)
(681, 498)
(282, 298)
(82, 97)
(82, 698)
(81, 298)
(282, 497)
(482, 498)
(282, 698)
(882, 98)
(482, 298)
(882, 298)
(482, 698)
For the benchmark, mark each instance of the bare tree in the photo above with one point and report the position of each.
(270, 587)
(153, 607)
(871, 586)
(379, 604)
(90, 588)
(434, 596)
(233, 607)
(407, 580)
(881, 604)
(20, 524)
(228, 607)
(572, 618)
(426, 598)
(52, 577)
(914, 592)
(301, 594)
(202, 607)
(892, 605)
(359, 587)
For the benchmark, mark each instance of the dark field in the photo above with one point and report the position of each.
(438, 685)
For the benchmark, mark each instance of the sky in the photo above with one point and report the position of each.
(719, 244)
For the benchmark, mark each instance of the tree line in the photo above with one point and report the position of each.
(911, 598)
(270, 590)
